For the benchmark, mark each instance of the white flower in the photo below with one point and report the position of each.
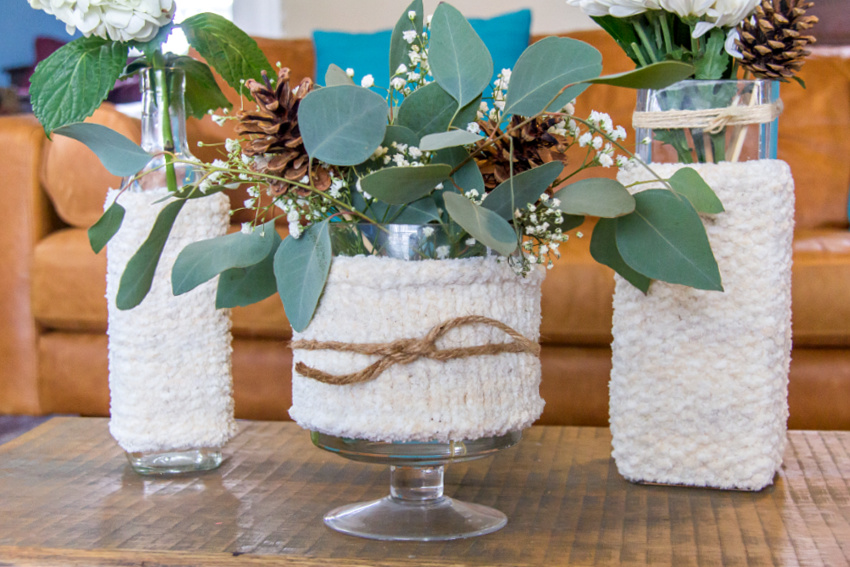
(413, 77)
(730, 46)
(411, 14)
(427, 231)
(409, 36)
(401, 69)
(730, 13)
(685, 8)
(295, 230)
(231, 145)
(293, 216)
(443, 252)
(473, 128)
(585, 139)
(367, 81)
(350, 72)
(616, 8)
(246, 228)
(470, 242)
(118, 20)
(398, 83)
(605, 160)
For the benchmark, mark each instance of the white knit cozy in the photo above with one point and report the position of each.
(169, 357)
(377, 300)
(699, 381)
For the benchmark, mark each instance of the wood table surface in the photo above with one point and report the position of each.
(68, 497)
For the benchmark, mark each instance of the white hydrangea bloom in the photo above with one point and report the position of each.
(118, 20)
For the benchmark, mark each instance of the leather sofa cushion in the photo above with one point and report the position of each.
(69, 287)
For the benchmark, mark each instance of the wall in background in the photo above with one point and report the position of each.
(19, 26)
(300, 17)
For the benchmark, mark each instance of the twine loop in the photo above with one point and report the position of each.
(711, 120)
(405, 351)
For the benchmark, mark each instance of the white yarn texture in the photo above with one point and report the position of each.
(169, 357)
(375, 300)
(699, 381)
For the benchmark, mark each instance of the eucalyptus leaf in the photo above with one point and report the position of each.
(336, 76)
(451, 139)
(394, 134)
(69, 85)
(398, 45)
(138, 275)
(101, 232)
(522, 189)
(202, 93)
(664, 239)
(459, 60)
(430, 109)
(228, 49)
(118, 154)
(545, 68)
(466, 178)
(689, 183)
(484, 225)
(597, 197)
(422, 211)
(301, 268)
(654, 76)
(342, 125)
(570, 222)
(238, 287)
(201, 261)
(400, 185)
(603, 248)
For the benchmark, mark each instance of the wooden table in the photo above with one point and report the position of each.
(67, 497)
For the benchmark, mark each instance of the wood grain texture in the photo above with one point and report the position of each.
(67, 497)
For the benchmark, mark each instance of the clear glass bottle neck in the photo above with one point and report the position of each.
(164, 130)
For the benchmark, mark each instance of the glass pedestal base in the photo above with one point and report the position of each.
(416, 509)
(175, 462)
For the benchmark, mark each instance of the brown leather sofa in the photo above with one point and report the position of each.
(53, 347)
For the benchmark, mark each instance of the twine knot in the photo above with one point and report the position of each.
(711, 120)
(405, 351)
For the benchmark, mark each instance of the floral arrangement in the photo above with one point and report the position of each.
(489, 173)
(722, 39)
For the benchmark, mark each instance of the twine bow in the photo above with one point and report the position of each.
(711, 120)
(405, 351)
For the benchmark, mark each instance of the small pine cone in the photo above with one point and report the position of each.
(271, 132)
(773, 40)
(533, 145)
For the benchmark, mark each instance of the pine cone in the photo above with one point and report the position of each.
(773, 40)
(533, 145)
(272, 131)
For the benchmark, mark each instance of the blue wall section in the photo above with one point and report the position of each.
(19, 26)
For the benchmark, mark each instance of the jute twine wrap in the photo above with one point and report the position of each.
(711, 120)
(436, 350)
(405, 351)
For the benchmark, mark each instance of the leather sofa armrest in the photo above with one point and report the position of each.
(29, 216)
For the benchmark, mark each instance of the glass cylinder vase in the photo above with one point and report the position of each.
(171, 402)
(698, 390)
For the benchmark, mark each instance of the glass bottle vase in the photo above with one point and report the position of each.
(169, 357)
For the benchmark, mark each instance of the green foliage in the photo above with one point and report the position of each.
(522, 189)
(686, 181)
(603, 248)
(398, 45)
(450, 139)
(484, 225)
(229, 50)
(401, 185)
(138, 275)
(118, 154)
(460, 62)
(623, 33)
(713, 61)
(664, 239)
(422, 211)
(335, 76)
(597, 197)
(202, 93)
(654, 76)
(101, 232)
(544, 69)
(69, 85)
(301, 268)
(238, 287)
(430, 109)
(201, 261)
(342, 125)
(467, 176)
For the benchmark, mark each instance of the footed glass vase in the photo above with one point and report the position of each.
(171, 402)
(698, 390)
(422, 352)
